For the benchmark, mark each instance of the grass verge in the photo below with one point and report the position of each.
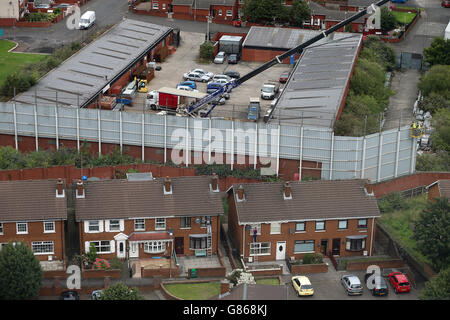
(194, 291)
(404, 17)
(270, 281)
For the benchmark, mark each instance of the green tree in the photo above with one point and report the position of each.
(439, 161)
(206, 50)
(300, 12)
(120, 291)
(438, 52)
(441, 136)
(432, 232)
(438, 288)
(92, 254)
(437, 80)
(388, 20)
(20, 272)
(261, 11)
(433, 102)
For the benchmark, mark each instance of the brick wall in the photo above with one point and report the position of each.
(101, 274)
(394, 263)
(307, 268)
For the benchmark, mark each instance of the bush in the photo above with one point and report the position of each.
(312, 258)
(436, 80)
(392, 202)
(206, 50)
(440, 161)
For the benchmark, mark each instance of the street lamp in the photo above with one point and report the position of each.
(208, 21)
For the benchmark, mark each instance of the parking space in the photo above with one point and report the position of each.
(186, 58)
(327, 286)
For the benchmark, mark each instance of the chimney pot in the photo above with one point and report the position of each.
(80, 188)
(240, 192)
(369, 187)
(287, 190)
(59, 187)
(167, 184)
(214, 183)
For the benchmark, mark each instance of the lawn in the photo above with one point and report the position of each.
(10, 61)
(271, 281)
(194, 291)
(399, 224)
(404, 17)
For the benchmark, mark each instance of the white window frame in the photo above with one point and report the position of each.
(90, 222)
(259, 246)
(136, 224)
(339, 224)
(257, 226)
(43, 244)
(203, 243)
(159, 223)
(53, 230)
(229, 13)
(305, 242)
(350, 241)
(275, 228)
(304, 226)
(164, 6)
(204, 221)
(363, 227)
(21, 232)
(220, 12)
(324, 227)
(155, 5)
(186, 225)
(111, 224)
(154, 246)
(100, 246)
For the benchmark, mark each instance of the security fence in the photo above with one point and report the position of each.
(380, 156)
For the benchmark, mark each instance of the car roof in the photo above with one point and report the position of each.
(302, 279)
(400, 277)
(352, 278)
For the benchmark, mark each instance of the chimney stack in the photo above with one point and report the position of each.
(215, 183)
(369, 188)
(240, 193)
(80, 189)
(167, 185)
(287, 190)
(59, 188)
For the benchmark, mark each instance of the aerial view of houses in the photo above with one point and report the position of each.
(229, 150)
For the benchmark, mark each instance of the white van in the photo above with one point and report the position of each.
(87, 20)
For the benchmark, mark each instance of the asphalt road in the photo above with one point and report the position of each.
(108, 13)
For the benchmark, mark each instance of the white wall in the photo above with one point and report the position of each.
(9, 10)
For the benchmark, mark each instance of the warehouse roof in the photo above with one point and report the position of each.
(316, 88)
(80, 78)
(333, 15)
(191, 196)
(31, 200)
(313, 200)
(276, 38)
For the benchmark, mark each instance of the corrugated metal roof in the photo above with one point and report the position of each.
(316, 87)
(264, 202)
(79, 78)
(278, 38)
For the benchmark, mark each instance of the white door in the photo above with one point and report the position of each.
(120, 249)
(281, 250)
(134, 250)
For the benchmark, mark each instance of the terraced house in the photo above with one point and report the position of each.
(278, 221)
(34, 212)
(149, 218)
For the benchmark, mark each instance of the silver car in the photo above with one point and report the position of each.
(352, 284)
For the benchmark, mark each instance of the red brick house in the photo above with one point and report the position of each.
(145, 219)
(34, 211)
(439, 189)
(221, 11)
(278, 221)
(12, 11)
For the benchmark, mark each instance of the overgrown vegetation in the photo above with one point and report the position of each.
(368, 97)
(272, 11)
(206, 51)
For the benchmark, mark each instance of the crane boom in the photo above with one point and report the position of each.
(278, 59)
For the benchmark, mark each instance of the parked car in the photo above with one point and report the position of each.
(186, 88)
(237, 23)
(69, 295)
(352, 284)
(399, 282)
(191, 84)
(233, 58)
(218, 100)
(221, 81)
(95, 295)
(232, 74)
(62, 5)
(302, 286)
(445, 3)
(213, 86)
(222, 77)
(195, 76)
(220, 57)
(378, 285)
(284, 77)
(201, 71)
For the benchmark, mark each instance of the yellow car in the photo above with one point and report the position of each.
(302, 286)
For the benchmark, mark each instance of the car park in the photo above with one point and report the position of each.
(195, 76)
(284, 77)
(302, 286)
(204, 72)
(376, 284)
(399, 282)
(220, 57)
(233, 58)
(220, 81)
(69, 295)
(218, 100)
(352, 284)
(191, 84)
(186, 88)
(214, 86)
(232, 74)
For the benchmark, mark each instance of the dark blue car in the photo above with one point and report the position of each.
(190, 84)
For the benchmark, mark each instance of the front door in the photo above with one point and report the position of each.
(134, 250)
(336, 249)
(281, 250)
(324, 247)
(120, 249)
(179, 245)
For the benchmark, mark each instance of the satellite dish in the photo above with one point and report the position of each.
(197, 221)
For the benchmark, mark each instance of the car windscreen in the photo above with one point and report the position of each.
(84, 21)
(306, 287)
(404, 284)
(267, 89)
(355, 286)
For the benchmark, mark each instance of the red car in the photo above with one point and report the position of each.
(284, 77)
(445, 3)
(237, 23)
(399, 282)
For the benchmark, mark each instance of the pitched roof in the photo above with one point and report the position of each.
(333, 15)
(360, 3)
(444, 188)
(125, 199)
(31, 200)
(256, 292)
(183, 2)
(313, 200)
(276, 38)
